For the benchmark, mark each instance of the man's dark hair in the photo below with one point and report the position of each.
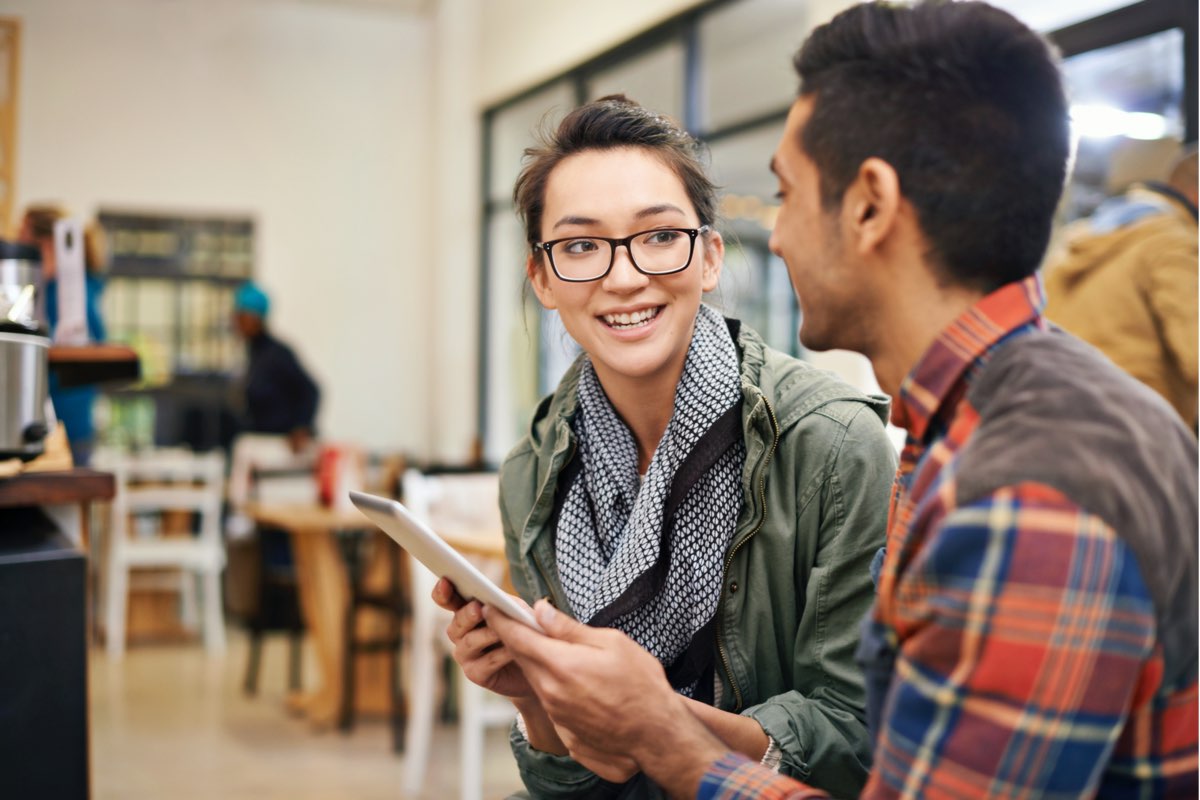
(608, 123)
(966, 104)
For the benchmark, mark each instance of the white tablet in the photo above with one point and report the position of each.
(443, 560)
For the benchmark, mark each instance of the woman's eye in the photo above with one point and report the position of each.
(662, 237)
(580, 247)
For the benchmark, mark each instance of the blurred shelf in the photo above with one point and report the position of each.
(93, 363)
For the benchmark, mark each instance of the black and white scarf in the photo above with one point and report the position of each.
(647, 556)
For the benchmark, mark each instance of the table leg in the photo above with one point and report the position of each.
(324, 594)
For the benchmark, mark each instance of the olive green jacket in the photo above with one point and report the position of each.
(817, 479)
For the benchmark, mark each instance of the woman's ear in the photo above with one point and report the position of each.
(543, 287)
(712, 250)
(871, 204)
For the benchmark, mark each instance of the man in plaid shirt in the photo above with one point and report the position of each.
(1034, 632)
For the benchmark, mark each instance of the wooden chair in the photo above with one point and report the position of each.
(274, 602)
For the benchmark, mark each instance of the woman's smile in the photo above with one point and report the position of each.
(631, 320)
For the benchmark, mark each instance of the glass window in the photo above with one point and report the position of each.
(754, 284)
(1043, 16)
(558, 350)
(746, 53)
(1126, 115)
(511, 349)
(513, 130)
(654, 79)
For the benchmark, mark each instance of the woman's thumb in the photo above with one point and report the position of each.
(559, 625)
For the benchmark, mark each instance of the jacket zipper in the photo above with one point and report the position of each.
(762, 499)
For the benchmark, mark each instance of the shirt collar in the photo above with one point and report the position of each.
(965, 341)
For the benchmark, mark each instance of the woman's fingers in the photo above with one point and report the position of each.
(465, 620)
(446, 595)
(473, 643)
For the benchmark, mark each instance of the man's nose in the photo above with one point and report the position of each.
(773, 242)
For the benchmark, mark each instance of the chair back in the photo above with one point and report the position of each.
(166, 480)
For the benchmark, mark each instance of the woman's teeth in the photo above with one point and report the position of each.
(634, 320)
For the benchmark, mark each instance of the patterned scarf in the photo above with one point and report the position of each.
(647, 556)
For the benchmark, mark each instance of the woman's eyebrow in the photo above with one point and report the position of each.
(654, 211)
(573, 220)
(651, 211)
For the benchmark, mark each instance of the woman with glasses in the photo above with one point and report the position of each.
(716, 500)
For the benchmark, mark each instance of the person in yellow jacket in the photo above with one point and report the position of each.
(1125, 281)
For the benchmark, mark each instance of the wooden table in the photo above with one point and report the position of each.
(324, 588)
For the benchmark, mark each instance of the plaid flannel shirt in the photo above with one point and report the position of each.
(1027, 662)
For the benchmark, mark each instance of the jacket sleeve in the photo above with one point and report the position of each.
(820, 726)
(1170, 287)
(545, 775)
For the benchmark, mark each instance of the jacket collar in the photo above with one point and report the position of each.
(940, 376)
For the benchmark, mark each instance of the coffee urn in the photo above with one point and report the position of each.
(24, 346)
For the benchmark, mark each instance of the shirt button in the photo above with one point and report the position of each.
(733, 588)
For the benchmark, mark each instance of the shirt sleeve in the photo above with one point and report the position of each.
(1023, 626)
(735, 777)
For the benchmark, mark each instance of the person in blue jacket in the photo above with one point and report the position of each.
(73, 405)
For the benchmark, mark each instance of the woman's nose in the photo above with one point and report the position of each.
(624, 276)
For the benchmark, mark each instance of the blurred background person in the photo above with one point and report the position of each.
(1124, 280)
(72, 405)
(279, 402)
(280, 396)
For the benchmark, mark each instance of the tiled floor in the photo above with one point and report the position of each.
(170, 722)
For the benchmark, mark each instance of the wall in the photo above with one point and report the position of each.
(313, 117)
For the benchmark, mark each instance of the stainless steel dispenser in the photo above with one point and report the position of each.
(24, 346)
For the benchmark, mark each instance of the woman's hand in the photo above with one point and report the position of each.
(477, 649)
(488, 663)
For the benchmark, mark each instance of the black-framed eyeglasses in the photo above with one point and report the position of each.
(661, 251)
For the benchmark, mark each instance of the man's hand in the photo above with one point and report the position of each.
(609, 699)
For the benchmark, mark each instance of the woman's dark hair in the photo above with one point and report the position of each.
(609, 123)
(966, 104)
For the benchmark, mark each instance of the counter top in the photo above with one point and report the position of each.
(93, 363)
(56, 488)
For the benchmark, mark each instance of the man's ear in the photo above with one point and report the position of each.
(712, 252)
(872, 204)
(543, 287)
